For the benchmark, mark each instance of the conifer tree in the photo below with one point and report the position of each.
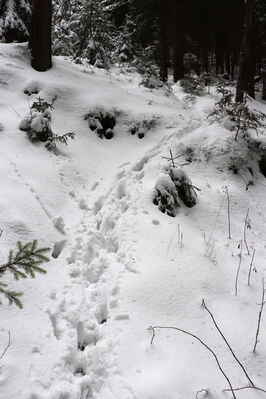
(15, 16)
(24, 262)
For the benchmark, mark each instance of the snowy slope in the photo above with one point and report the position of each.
(83, 332)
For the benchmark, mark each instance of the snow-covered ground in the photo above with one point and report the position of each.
(119, 265)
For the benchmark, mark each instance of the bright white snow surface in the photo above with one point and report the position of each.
(119, 268)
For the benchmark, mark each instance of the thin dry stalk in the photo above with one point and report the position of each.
(228, 212)
(260, 314)
(153, 328)
(248, 387)
(238, 269)
(7, 346)
(250, 266)
(227, 343)
(246, 226)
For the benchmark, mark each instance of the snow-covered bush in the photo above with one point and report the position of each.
(142, 126)
(32, 87)
(241, 116)
(172, 188)
(151, 80)
(193, 85)
(37, 125)
(102, 121)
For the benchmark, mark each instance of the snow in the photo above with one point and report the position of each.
(118, 265)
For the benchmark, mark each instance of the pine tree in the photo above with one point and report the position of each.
(24, 262)
(15, 16)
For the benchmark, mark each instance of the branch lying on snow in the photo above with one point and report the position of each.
(227, 343)
(248, 387)
(153, 328)
(7, 346)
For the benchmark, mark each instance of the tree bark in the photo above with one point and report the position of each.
(163, 39)
(264, 79)
(178, 47)
(41, 35)
(246, 68)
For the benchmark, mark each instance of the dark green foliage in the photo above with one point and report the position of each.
(23, 262)
(172, 189)
(15, 19)
(193, 85)
(243, 117)
(37, 124)
(102, 121)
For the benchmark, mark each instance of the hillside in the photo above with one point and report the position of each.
(119, 265)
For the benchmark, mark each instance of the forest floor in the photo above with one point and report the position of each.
(118, 265)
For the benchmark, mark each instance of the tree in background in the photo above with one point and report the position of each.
(245, 81)
(15, 17)
(40, 43)
(178, 39)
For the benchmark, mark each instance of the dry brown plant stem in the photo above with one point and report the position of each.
(260, 314)
(228, 212)
(250, 266)
(153, 328)
(238, 269)
(7, 346)
(227, 343)
(246, 226)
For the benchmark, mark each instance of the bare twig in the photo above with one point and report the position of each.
(228, 212)
(7, 346)
(153, 328)
(246, 226)
(248, 387)
(227, 343)
(239, 265)
(260, 314)
(250, 266)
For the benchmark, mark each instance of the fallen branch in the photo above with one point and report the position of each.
(227, 343)
(248, 387)
(153, 328)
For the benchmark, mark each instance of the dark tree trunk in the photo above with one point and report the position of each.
(246, 68)
(264, 80)
(164, 7)
(178, 48)
(40, 41)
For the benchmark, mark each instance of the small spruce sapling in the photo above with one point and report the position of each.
(24, 262)
(37, 124)
(241, 114)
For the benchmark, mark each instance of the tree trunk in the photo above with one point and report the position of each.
(246, 69)
(178, 48)
(264, 79)
(163, 39)
(41, 35)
